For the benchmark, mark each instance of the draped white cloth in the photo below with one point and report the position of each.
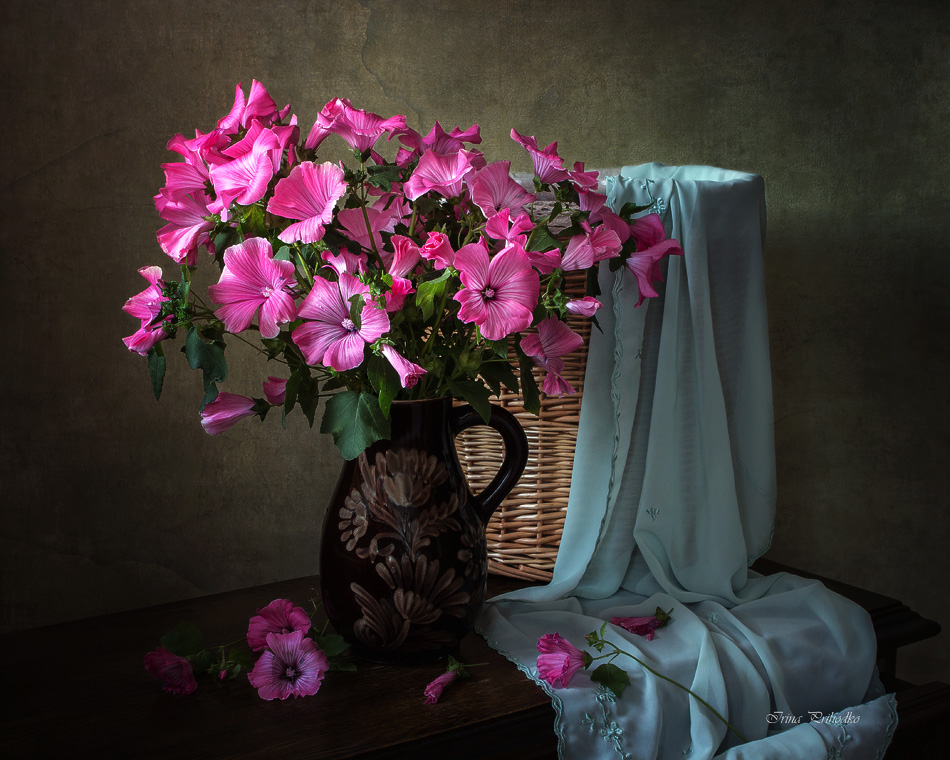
(673, 496)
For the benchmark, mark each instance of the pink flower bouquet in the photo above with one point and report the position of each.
(401, 277)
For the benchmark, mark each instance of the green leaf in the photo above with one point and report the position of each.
(284, 253)
(541, 239)
(427, 292)
(499, 372)
(209, 358)
(611, 677)
(156, 369)
(331, 644)
(529, 387)
(474, 393)
(500, 347)
(630, 208)
(185, 640)
(203, 662)
(355, 421)
(385, 381)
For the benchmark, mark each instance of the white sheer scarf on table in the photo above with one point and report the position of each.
(672, 498)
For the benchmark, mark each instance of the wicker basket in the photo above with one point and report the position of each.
(525, 531)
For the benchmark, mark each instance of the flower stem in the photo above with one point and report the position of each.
(677, 683)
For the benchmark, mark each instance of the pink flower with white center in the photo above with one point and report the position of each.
(361, 129)
(499, 294)
(226, 410)
(280, 616)
(585, 307)
(493, 189)
(581, 179)
(189, 227)
(553, 340)
(252, 280)
(146, 306)
(174, 672)
(409, 374)
(331, 337)
(275, 390)
(309, 193)
(548, 165)
(292, 666)
(443, 174)
(259, 105)
(591, 246)
(559, 660)
(245, 178)
(438, 250)
(434, 690)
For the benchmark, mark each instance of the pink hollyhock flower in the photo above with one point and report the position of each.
(382, 218)
(581, 179)
(146, 306)
(173, 671)
(642, 626)
(500, 226)
(438, 139)
(438, 250)
(493, 189)
(591, 246)
(309, 193)
(331, 338)
(548, 165)
(326, 121)
(553, 340)
(499, 294)
(648, 233)
(181, 179)
(280, 616)
(585, 307)
(443, 174)
(252, 279)
(275, 390)
(545, 261)
(227, 409)
(409, 373)
(405, 257)
(360, 129)
(344, 261)
(189, 227)
(201, 150)
(559, 660)
(292, 666)
(245, 179)
(434, 689)
(259, 105)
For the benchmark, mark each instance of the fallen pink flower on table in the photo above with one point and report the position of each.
(559, 660)
(434, 689)
(173, 671)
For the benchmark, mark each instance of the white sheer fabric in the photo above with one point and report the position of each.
(673, 496)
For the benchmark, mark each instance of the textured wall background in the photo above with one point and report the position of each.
(113, 501)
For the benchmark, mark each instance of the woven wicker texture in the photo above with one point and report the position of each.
(525, 531)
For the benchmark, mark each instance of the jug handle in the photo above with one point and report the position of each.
(515, 459)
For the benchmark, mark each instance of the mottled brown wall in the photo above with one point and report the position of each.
(112, 500)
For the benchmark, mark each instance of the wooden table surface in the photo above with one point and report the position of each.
(80, 689)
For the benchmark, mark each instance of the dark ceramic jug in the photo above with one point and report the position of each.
(403, 560)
